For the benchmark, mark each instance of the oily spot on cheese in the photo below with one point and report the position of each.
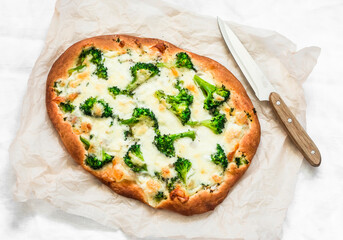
(166, 172)
(192, 88)
(72, 96)
(59, 99)
(241, 118)
(161, 107)
(83, 75)
(123, 106)
(175, 72)
(231, 134)
(74, 83)
(216, 178)
(118, 174)
(86, 127)
(73, 120)
(80, 86)
(153, 185)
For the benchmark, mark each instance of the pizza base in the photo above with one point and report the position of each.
(203, 200)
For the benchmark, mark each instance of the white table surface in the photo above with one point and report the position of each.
(317, 209)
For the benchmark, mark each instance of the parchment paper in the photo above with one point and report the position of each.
(256, 206)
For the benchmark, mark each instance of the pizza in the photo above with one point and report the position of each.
(153, 122)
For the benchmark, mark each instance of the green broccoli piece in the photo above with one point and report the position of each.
(66, 106)
(93, 162)
(159, 176)
(107, 112)
(88, 105)
(166, 65)
(85, 142)
(101, 71)
(184, 61)
(216, 124)
(58, 92)
(136, 151)
(141, 114)
(165, 143)
(160, 196)
(141, 72)
(171, 183)
(214, 96)
(115, 91)
(178, 104)
(96, 58)
(77, 69)
(106, 157)
(219, 158)
(182, 167)
(241, 160)
(127, 134)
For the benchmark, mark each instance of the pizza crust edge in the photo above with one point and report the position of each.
(200, 202)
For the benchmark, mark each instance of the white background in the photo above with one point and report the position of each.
(317, 209)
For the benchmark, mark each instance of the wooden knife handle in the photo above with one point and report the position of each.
(297, 133)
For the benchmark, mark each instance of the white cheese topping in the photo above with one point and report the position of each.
(108, 135)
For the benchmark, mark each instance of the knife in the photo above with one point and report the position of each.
(264, 91)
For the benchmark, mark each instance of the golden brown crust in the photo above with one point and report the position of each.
(204, 200)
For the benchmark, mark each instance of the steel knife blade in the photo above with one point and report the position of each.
(265, 91)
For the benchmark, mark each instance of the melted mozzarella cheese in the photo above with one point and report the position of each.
(107, 134)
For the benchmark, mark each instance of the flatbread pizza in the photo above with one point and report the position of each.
(154, 122)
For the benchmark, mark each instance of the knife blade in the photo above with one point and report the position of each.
(265, 91)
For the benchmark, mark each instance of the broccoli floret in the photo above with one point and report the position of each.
(97, 59)
(88, 105)
(136, 151)
(160, 196)
(171, 183)
(178, 104)
(214, 96)
(115, 91)
(107, 112)
(241, 160)
(77, 69)
(106, 157)
(85, 142)
(182, 167)
(58, 92)
(67, 106)
(127, 134)
(141, 114)
(159, 176)
(219, 158)
(184, 61)
(165, 142)
(216, 124)
(93, 162)
(141, 72)
(101, 72)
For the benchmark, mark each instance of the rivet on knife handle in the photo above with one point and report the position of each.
(297, 133)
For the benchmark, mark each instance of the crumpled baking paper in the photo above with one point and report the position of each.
(255, 207)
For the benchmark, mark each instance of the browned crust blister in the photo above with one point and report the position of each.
(200, 202)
